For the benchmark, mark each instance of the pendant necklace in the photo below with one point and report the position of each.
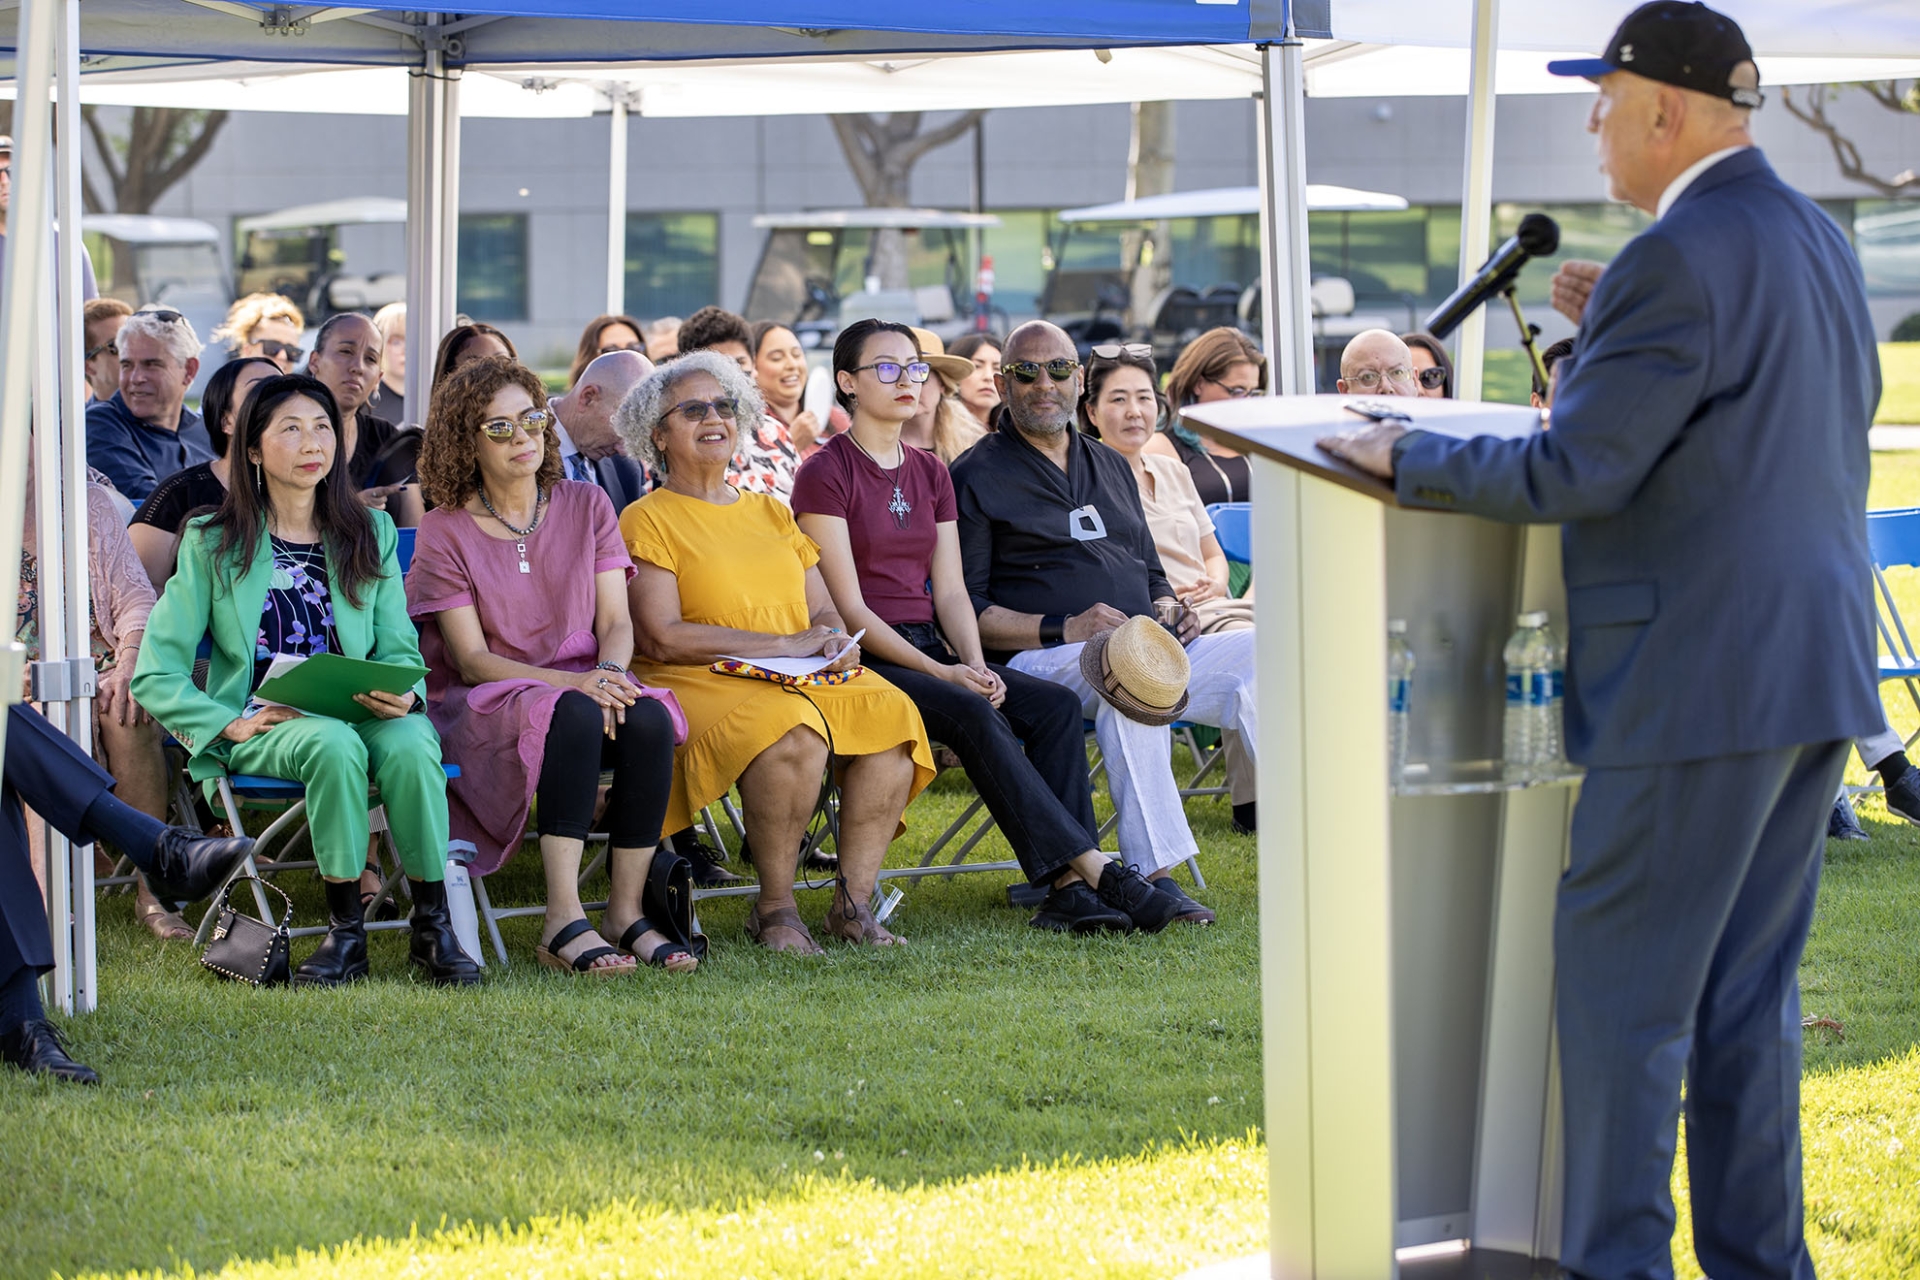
(899, 505)
(539, 504)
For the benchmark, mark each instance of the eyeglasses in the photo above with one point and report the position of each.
(533, 422)
(1028, 371)
(280, 350)
(612, 347)
(1233, 392)
(1369, 380)
(698, 411)
(889, 371)
(108, 345)
(1433, 377)
(1131, 350)
(163, 315)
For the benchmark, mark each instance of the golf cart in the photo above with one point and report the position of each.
(304, 253)
(818, 267)
(167, 262)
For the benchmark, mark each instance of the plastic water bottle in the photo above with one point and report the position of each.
(1399, 686)
(460, 907)
(1524, 657)
(1552, 746)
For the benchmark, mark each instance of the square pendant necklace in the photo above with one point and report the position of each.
(539, 512)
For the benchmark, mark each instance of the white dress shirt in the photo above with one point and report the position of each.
(1678, 187)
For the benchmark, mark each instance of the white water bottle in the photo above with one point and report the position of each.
(465, 918)
(1518, 748)
(1399, 687)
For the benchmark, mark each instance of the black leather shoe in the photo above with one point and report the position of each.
(1124, 889)
(1842, 825)
(1903, 797)
(341, 956)
(1246, 818)
(34, 1047)
(188, 866)
(705, 860)
(1077, 909)
(1186, 910)
(433, 946)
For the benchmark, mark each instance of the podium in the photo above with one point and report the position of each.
(1406, 934)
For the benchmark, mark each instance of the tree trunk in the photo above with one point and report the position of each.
(159, 147)
(882, 151)
(1149, 173)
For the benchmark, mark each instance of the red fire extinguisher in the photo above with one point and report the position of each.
(983, 295)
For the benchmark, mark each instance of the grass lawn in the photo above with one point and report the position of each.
(1900, 374)
(990, 1101)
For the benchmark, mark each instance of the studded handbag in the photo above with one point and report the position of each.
(243, 949)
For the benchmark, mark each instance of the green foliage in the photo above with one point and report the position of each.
(1908, 330)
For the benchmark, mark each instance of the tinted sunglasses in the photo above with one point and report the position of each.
(1433, 378)
(163, 315)
(612, 347)
(105, 346)
(534, 421)
(1131, 350)
(280, 350)
(889, 371)
(697, 411)
(1028, 371)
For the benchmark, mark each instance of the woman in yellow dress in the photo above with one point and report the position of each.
(723, 573)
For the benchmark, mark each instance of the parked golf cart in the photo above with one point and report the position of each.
(168, 262)
(334, 256)
(819, 267)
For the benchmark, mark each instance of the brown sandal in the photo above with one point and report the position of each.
(168, 926)
(781, 918)
(858, 926)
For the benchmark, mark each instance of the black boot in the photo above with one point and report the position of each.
(341, 956)
(434, 946)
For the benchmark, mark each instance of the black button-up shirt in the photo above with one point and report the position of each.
(1036, 539)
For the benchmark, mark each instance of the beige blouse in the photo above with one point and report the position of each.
(1180, 525)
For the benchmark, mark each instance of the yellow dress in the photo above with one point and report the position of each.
(744, 565)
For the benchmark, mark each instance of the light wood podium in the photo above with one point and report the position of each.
(1406, 957)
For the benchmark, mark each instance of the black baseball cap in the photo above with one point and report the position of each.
(1688, 46)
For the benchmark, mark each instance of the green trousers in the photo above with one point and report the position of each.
(336, 760)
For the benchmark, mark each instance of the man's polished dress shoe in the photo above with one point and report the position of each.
(34, 1047)
(188, 866)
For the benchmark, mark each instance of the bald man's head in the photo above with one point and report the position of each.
(1377, 363)
(1040, 404)
(587, 410)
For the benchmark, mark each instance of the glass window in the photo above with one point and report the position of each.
(1594, 232)
(1886, 235)
(492, 258)
(673, 263)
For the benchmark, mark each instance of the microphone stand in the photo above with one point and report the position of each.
(1528, 332)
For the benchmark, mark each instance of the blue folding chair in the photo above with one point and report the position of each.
(403, 550)
(1893, 540)
(1233, 526)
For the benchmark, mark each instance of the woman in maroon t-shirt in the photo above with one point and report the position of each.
(883, 515)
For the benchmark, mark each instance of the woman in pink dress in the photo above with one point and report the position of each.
(519, 584)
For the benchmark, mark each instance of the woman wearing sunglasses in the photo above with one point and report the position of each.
(727, 574)
(519, 585)
(1432, 366)
(1220, 364)
(264, 324)
(882, 513)
(292, 563)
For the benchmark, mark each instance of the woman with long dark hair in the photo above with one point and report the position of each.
(293, 564)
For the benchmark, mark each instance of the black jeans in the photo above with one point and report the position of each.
(640, 755)
(1028, 759)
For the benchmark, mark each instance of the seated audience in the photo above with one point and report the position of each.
(162, 518)
(780, 371)
(1542, 394)
(766, 460)
(346, 358)
(724, 573)
(126, 743)
(1221, 364)
(293, 564)
(1432, 366)
(145, 432)
(45, 769)
(1057, 551)
(605, 334)
(662, 337)
(473, 340)
(1376, 363)
(591, 450)
(101, 320)
(519, 584)
(882, 513)
(976, 391)
(940, 424)
(390, 397)
(264, 324)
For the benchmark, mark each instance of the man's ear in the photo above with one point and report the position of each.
(192, 369)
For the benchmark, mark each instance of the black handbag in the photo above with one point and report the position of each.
(243, 949)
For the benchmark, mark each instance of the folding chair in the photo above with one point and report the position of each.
(1893, 540)
(1233, 526)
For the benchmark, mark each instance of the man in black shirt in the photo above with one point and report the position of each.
(1057, 550)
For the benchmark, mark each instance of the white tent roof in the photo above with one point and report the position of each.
(1222, 201)
(328, 213)
(903, 219)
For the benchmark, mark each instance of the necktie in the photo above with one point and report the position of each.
(583, 468)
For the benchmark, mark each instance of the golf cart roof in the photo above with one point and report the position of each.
(903, 219)
(140, 228)
(1225, 201)
(328, 213)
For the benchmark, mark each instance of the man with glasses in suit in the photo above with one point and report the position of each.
(591, 450)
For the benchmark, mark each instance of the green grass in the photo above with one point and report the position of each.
(1900, 376)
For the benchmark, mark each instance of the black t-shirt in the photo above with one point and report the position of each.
(374, 434)
(179, 496)
(1218, 479)
(1036, 539)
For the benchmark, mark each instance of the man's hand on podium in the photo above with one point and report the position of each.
(1369, 448)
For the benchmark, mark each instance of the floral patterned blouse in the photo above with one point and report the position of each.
(765, 461)
(297, 617)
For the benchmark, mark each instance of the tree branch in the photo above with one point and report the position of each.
(102, 144)
(912, 151)
(856, 133)
(194, 152)
(1845, 153)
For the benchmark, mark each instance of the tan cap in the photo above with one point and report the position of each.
(953, 370)
(1140, 669)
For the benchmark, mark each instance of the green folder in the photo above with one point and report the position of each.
(324, 685)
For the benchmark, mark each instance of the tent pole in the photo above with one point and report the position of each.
(433, 203)
(1476, 198)
(617, 202)
(1285, 310)
(28, 217)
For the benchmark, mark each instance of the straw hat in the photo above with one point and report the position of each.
(953, 370)
(1140, 669)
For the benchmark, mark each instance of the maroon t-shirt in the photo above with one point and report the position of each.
(894, 563)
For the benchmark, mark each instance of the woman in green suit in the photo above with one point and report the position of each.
(292, 563)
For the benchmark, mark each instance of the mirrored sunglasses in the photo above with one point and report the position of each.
(533, 422)
(1028, 371)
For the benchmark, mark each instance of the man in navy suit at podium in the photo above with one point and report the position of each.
(1708, 463)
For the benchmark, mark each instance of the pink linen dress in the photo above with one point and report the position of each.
(497, 732)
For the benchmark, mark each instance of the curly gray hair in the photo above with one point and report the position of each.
(652, 399)
(177, 336)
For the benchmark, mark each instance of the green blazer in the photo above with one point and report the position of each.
(206, 600)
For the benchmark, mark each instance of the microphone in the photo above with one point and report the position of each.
(1537, 237)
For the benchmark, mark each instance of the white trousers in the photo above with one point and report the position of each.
(1876, 747)
(1153, 824)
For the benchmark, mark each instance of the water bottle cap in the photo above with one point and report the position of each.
(1538, 618)
(1396, 626)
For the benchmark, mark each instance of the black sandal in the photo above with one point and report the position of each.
(548, 954)
(662, 953)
